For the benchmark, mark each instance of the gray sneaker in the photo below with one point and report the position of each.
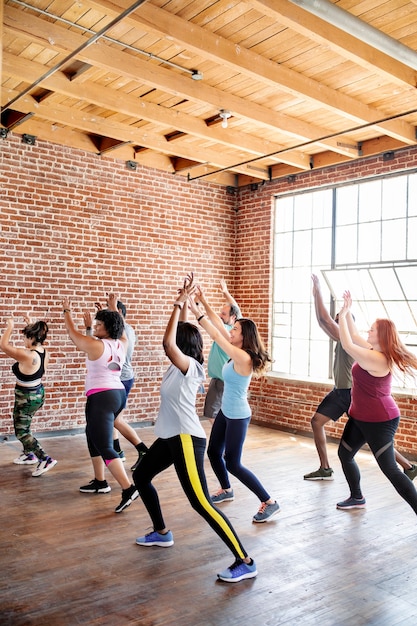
(222, 496)
(266, 512)
(412, 472)
(320, 474)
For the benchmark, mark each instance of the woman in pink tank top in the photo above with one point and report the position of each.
(106, 396)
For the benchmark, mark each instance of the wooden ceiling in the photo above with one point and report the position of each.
(119, 79)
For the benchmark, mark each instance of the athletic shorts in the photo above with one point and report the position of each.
(335, 404)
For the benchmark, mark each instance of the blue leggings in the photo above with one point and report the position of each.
(101, 410)
(380, 438)
(187, 455)
(227, 437)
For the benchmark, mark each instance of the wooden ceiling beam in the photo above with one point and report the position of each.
(111, 99)
(106, 128)
(349, 47)
(220, 50)
(122, 63)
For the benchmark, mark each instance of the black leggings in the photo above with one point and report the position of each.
(101, 410)
(187, 454)
(380, 438)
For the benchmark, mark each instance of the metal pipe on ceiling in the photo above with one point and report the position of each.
(73, 54)
(356, 27)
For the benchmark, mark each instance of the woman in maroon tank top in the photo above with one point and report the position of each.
(373, 414)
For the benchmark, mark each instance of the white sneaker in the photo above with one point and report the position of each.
(44, 466)
(26, 459)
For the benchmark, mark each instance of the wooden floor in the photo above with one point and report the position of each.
(68, 559)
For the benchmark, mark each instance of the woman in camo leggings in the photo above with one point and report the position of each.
(29, 368)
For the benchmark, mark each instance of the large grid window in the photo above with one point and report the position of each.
(361, 237)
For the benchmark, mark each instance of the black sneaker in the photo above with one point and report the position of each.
(96, 486)
(128, 495)
(138, 460)
(122, 456)
(411, 473)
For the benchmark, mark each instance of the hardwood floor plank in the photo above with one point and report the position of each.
(67, 559)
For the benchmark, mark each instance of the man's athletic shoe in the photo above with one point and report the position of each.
(238, 571)
(44, 466)
(122, 456)
(222, 496)
(26, 459)
(266, 512)
(128, 495)
(156, 539)
(96, 486)
(321, 474)
(411, 473)
(351, 503)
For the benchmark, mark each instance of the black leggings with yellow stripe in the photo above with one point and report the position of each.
(187, 454)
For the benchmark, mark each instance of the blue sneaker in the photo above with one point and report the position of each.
(238, 571)
(156, 539)
(266, 512)
(351, 503)
(222, 496)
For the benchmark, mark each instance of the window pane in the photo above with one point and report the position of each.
(386, 283)
(412, 195)
(302, 212)
(283, 249)
(322, 208)
(346, 244)
(407, 277)
(347, 205)
(302, 248)
(284, 215)
(394, 197)
(412, 238)
(370, 201)
(322, 243)
(394, 240)
(371, 250)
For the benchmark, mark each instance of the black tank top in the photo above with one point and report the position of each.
(34, 378)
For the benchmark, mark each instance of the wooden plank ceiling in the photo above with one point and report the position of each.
(146, 82)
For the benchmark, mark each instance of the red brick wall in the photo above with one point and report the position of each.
(75, 224)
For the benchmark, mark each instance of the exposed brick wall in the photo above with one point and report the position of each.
(76, 224)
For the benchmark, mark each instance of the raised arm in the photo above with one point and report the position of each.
(373, 361)
(88, 323)
(85, 343)
(214, 318)
(229, 298)
(325, 321)
(18, 354)
(169, 342)
(242, 361)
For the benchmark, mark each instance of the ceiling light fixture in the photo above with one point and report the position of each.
(224, 114)
(356, 27)
(196, 75)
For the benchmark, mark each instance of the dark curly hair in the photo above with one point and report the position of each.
(113, 322)
(190, 341)
(37, 331)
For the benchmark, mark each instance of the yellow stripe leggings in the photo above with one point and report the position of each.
(187, 454)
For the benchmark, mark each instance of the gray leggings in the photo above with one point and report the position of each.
(380, 438)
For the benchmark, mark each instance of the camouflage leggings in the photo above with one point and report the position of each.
(26, 404)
